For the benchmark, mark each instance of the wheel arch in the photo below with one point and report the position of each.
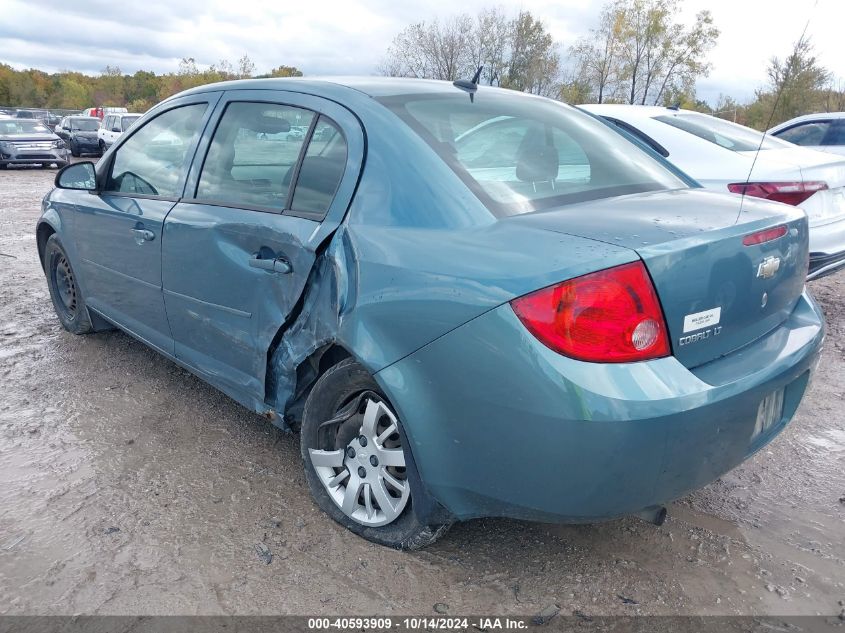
(47, 226)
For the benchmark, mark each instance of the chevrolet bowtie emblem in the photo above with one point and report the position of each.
(768, 267)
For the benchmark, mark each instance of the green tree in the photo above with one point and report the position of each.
(640, 52)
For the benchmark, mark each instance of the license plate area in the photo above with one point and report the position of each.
(769, 413)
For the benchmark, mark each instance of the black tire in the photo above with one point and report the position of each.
(64, 289)
(74, 149)
(334, 390)
(103, 147)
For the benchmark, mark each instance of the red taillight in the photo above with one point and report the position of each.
(787, 192)
(610, 316)
(767, 235)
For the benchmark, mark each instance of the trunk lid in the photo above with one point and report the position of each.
(717, 294)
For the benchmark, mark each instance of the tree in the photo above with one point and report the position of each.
(245, 67)
(516, 53)
(797, 80)
(534, 62)
(284, 71)
(598, 55)
(435, 50)
(639, 52)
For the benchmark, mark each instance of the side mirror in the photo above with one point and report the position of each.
(77, 176)
(115, 129)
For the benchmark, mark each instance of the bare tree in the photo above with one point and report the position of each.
(597, 55)
(516, 53)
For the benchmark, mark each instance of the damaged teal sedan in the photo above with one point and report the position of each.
(468, 301)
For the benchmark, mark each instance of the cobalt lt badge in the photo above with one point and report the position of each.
(768, 267)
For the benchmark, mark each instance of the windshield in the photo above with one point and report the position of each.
(85, 125)
(724, 133)
(128, 121)
(520, 154)
(21, 126)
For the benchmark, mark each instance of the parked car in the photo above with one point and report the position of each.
(38, 115)
(824, 131)
(27, 142)
(112, 127)
(720, 155)
(80, 134)
(494, 306)
(101, 111)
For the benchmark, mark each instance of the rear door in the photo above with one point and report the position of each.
(118, 230)
(238, 250)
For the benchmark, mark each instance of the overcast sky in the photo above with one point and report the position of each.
(330, 37)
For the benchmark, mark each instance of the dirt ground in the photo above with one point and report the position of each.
(127, 486)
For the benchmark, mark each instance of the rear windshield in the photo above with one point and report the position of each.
(520, 154)
(85, 125)
(729, 135)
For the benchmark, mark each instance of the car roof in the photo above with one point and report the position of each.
(371, 86)
(632, 111)
(808, 117)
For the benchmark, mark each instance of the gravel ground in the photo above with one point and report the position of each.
(130, 487)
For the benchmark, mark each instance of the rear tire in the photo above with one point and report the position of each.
(357, 480)
(64, 289)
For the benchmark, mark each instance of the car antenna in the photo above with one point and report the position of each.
(769, 122)
(469, 85)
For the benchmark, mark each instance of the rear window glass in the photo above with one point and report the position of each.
(724, 133)
(520, 154)
(85, 125)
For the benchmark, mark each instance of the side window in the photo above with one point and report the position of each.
(836, 134)
(107, 123)
(253, 154)
(153, 161)
(321, 170)
(805, 133)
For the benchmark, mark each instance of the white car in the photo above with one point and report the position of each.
(723, 156)
(113, 126)
(824, 131)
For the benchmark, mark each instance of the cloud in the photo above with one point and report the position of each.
(350, 36)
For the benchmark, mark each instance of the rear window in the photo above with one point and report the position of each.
(520, 154)
(85, 125)
(724, 133)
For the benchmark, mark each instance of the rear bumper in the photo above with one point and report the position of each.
(827, 248)
(500, 425)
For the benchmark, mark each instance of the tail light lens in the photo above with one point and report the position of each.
(610, 316)
(793, 193)
(767, 235)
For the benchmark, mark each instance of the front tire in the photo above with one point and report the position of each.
(355, 466)
(74, 149)
(64, 289)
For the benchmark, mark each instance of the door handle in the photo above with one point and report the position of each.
(143, 235)
(276, 265)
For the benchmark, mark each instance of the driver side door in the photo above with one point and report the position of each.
(119, 228)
